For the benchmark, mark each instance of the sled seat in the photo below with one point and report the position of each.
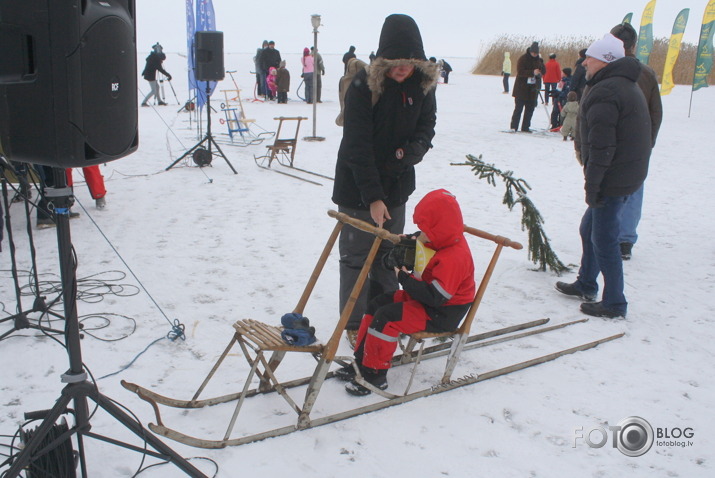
(268, 337)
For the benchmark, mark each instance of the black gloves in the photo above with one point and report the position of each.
(412, 152)
(168, 77)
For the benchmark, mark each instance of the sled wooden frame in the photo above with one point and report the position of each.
(256, 339)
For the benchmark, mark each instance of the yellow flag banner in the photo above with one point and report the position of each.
(671, 57)
(645, 35)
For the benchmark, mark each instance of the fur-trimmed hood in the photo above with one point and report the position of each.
(377, 73)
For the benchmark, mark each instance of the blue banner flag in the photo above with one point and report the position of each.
(205, 22)
(190, 29)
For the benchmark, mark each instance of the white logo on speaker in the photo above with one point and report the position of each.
(115, 87)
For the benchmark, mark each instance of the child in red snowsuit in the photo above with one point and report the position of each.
(435, 300)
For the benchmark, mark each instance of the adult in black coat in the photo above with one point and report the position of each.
(578, 80)
(347, 56)
(615, 148)
(153, 64)
(389, 122)
(270, 58)
(529, 70)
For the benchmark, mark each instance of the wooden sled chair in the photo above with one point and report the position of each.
(237, 122)
(264, 350)
(283, 147)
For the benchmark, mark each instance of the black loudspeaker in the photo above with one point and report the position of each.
(208, 48)
(68, 81)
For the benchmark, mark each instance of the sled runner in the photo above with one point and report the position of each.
(264, 350)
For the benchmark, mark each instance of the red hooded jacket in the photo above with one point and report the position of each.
(451, 269)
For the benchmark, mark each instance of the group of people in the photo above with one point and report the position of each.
(389, 122)
(267, 62)
(273, 78)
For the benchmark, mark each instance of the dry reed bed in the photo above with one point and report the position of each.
(567, 48)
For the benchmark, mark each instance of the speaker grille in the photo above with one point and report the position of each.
(109, 85)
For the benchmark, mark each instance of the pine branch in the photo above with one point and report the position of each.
(539, 248)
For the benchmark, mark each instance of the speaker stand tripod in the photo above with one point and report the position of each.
(20, 320)
(78, 390)
(201, 155)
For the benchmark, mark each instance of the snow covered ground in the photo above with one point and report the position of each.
(211, 247)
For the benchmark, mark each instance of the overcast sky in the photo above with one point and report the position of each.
(450, 28)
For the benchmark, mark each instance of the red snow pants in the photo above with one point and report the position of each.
(388, 316)
(94, 179)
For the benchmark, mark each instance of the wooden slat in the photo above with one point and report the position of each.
(268, 337)
(431, 335)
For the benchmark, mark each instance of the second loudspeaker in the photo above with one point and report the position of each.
(209, 56)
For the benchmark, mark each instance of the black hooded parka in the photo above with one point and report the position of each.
(382, 115)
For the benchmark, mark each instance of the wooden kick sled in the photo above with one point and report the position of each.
(264, 350)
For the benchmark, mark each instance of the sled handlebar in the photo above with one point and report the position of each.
(395, 239)
(363, 226)
(504, 241)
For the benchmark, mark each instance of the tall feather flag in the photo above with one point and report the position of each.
(645, 35)
(704, 59)
(205, 22)
(627, 18)
(190, 29)
(676, 37)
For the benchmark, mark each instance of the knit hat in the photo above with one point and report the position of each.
(534, 48)
(400, 39)
(608, 49)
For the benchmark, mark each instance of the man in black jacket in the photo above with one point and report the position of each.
(578, 81)
(615, 149)
(389, 121)
(529, 69)
(270, 58)
(153, 64)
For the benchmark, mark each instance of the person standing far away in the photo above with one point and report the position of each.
(648, 83)
(578, 81)
(346, 57)
(270, 58)
(283, 82)
(153, 64)
(372, 56)
(551, 78)
(389, 121)
(307, 74)
(506, 71)
(529, 69)
(318, 69)
(446, 70)
(260, 74)
(615, 149)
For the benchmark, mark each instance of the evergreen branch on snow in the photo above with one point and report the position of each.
(539, 248)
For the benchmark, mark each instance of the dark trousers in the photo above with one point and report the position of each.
(527, 106)
(354, 246)
(505, 81)
(548, 88)
(282, 97)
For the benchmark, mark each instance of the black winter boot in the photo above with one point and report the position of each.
(377, 378)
